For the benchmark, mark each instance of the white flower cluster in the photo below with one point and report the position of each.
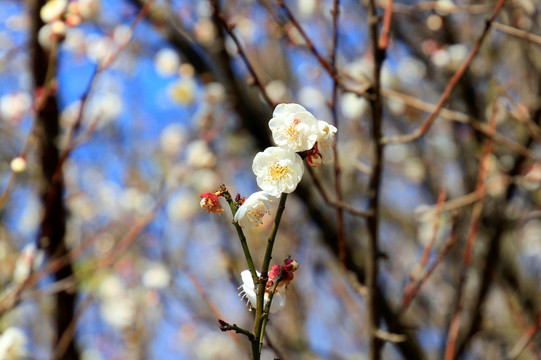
(279, 169)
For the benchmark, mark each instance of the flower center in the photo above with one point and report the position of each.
(276, 172)
(257, 213)
(292, 131)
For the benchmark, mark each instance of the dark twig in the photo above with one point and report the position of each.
(323, 62)
(224, 326)
(337, 169)
(229, 29)
(371, 256)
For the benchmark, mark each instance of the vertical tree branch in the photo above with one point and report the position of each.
(337, 168)
(53, 224)
(470, 242)
(371, 258)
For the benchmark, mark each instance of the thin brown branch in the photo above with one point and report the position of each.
(386, 29)
(69, 332)
(229, 29)
(426, 252)
(323, 62)
(437, 5)
(450, 85)
(335, 203)
(411, 294)
(536, 39)
(526, 338)
(470, 241)
(459, 117)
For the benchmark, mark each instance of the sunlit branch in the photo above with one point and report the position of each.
(386, 29)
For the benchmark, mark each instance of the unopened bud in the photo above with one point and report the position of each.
(291, 265)
(273, 273)
(314, 159)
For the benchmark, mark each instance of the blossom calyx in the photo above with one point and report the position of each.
(210, 202)
(313, 157)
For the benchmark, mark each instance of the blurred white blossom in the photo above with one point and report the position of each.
(198, 154)
(13, 344)
(203, 179)
(167, 62)
(173, 139)
(119, 312)
(15, 105)
(156, 277)
(182, 207)
(52, 10)
(277, 91)
(353, 106)
(182, 91)
(214, 93)
(29, 260)
(18, 164)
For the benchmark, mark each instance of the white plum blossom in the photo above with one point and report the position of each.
(18, 164)
(293, 127)
(248, 292)
(13, 344)
(277, 170)
(156, 277)
(325, 141)
(52, 10)
(251, 212)
(29, 259)
(167, 62)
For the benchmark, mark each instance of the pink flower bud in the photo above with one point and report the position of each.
(291, 265)
(275, 270)
(210, 203)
